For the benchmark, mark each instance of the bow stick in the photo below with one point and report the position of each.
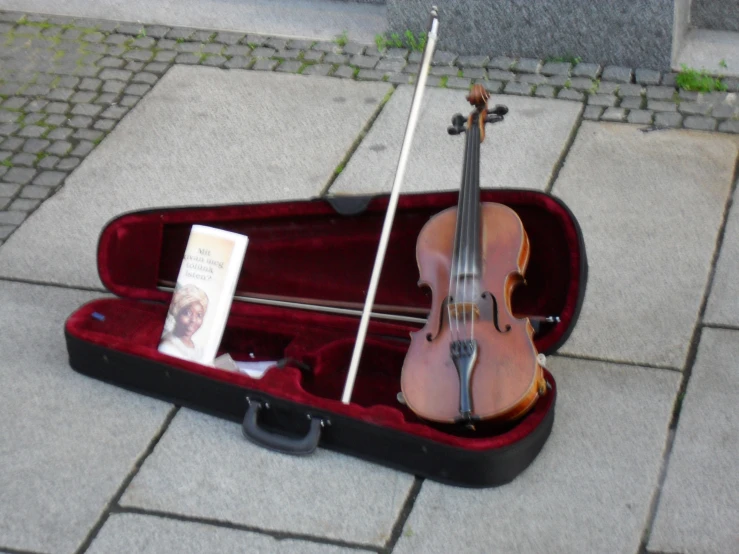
(390, 215)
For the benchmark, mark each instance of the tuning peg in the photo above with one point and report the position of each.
(457, 126)
(499, 110)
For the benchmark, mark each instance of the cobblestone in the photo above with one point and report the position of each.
(59, 102)
(642, 117)
(49, 178)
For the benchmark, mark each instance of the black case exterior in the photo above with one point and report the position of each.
(401, 451)
(297, 428)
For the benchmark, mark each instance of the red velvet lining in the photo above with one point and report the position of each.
(307, 250)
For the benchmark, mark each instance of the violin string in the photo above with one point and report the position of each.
(467, 220)
(474, 203)
(453, 275)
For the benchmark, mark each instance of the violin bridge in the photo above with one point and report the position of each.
(464, 310)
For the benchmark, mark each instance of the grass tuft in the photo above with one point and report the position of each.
(698, 81)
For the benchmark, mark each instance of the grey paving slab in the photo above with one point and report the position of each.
(201, 136)
(310, 19)
(699, 505)
(590, 488)
(128, 533)
(204, 467)
(520, 152)
(68, 441)
(723, 302)
(650, 206)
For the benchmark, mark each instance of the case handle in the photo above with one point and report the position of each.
(287, 445)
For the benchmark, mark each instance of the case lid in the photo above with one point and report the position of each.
(321, 251)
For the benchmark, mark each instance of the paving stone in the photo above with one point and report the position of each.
(5, 231)
(617, 74)
(642, 117)
(90, 84)
(501, 62)
(458, 83)
(24, 160)
(697, 507)
(630, 90)
(71, 431)
(636, 191)
(472, 61)
(601, 100)
(289, 67)
(608, 88)
(315, 56)
(317, 69)
(723, 302)
(581, 83)
(660, 93)
(661, 106)
(647, 77)
(47, 162)
(49, 178)
(700, 123)
(180, 33)
(15, 103)
(11, 144)
(527, 65)
(443, 58)
(569, 94)
(68, 163)
(600, 464)
(185, 168)
(105, 99)
(116, 74)
(532, 125)
(375, 495)
(400, 79)
(32, 131)
(336, 58)
(34, 146)
(475, 73)
(614, 114)
(632, 102)
(87, 134)
(723, 111)
(263, 52)
(4, 155)
(688, 95)
(213, 48)
(138, 90)
(110, 62)
(23, 205)
(143, 43)
(444, 70)
(8, 189)
(7, 129)
(518, 88)
(191, 59)
(12, 218)
(239, 62)
(35, 192)
(4, 202)
(79, 121)
(9, 117)
(729, 126)
(34, 118)
(500, 75)
(114, 87)
(396, 66)
(165, 56)
(125, 533)
(544, 91)
(532, 78)
(266, 65)
(556, 68)
(60, 133)
(19, 176)
(666, 119)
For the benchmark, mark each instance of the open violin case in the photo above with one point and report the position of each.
(321, 252)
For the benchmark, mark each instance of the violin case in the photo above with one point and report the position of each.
(322, 251)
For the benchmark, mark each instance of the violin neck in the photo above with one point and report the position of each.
(467, 257)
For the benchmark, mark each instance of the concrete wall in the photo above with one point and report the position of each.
(720, 15)
(633, 33)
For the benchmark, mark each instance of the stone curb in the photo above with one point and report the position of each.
(55, 107)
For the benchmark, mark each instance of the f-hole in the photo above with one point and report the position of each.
(431, 336)
(490, 311)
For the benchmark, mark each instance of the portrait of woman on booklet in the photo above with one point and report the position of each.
(185, 317)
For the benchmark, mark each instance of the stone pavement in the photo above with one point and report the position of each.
(645, 439)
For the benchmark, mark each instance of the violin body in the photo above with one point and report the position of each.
(507, 378)
(473, 360)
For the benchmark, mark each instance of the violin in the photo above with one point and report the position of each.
(473, 360)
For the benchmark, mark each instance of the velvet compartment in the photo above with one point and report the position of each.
(321, 251)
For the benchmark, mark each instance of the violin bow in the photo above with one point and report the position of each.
(390, 215)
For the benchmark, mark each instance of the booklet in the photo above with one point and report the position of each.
(203, 294)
